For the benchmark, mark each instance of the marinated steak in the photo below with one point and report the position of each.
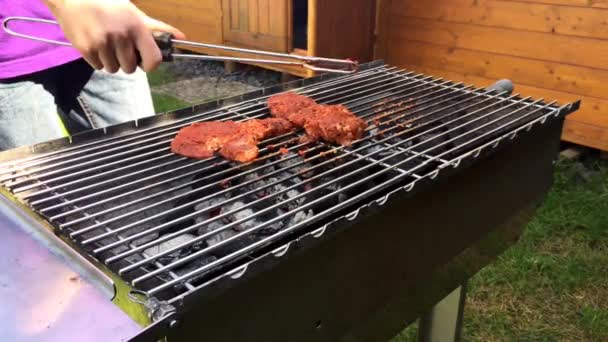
(287, 106)
(234, 140)
(201, 139)
(333, 124)
(238, 140)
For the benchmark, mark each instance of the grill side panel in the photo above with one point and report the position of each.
(369, 281)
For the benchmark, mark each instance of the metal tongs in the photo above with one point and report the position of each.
(166, 43)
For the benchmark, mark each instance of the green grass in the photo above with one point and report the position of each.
(164, 103)
(160, 76)
(552, 285)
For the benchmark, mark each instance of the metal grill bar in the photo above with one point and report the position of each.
(261, 242)
(142, 133)
(246, 115)
(188, 229)
(97, 238)
(82, 189)
(120, 196)
(318, 176)
(155, 176)
(111, 154)
(261, 167)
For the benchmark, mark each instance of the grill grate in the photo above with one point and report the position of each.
(168, 224)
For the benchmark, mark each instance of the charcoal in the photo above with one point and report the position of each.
(146, 238)
(243, 214)
(295, 169)
(211, 227)
(301, 216)
(167, 245)
(192, 266)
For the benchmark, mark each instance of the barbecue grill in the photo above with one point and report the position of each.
(311, 241)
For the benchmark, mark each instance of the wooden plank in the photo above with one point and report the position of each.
(565, 20)
(585, 134)
(243, 15)
(289, 25)
(182, 4)
(551, 75)
(198, 24)
(572, 3)
(264, 19)
(312, 27)
(554, 49)
(345, 29)
(278, 18)
(561, 49)
(232, 8)
(275, 37)
(254, 16)
(383, 20)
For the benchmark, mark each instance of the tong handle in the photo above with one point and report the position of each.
(164, 40)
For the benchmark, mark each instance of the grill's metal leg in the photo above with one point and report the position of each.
(443, 322)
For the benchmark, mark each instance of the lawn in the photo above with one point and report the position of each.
(552, 285)
(162, 102)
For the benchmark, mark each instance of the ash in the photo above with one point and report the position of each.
(247, 213)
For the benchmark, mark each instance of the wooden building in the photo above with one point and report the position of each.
(308, 27)
(556, 49)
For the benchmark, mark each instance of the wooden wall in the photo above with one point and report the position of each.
(342, 28)
(257, 24)
(556, 49)
(200, 20)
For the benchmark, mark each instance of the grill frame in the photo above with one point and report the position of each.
(328, 222)
(435, 260)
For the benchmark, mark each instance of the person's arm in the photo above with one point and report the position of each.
(109, 33)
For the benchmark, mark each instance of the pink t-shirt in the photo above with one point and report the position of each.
(19, 56)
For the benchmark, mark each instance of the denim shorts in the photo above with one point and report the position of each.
(41, 106)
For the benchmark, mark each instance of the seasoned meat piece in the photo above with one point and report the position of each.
(234, 140)
(287, 104)
(200, 140)
(334, 124)
(266, 128)
(242, 149)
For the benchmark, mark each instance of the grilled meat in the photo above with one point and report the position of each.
(287, 106)
(201, 139)
(243, 148)
(238, 140)
(234, 140)
(334, 124)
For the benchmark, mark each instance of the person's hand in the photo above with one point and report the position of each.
(110, 33)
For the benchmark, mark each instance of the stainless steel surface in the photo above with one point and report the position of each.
(130, 202)
(443, 323)
(13, 216)
(47, 293)
(309, 62)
